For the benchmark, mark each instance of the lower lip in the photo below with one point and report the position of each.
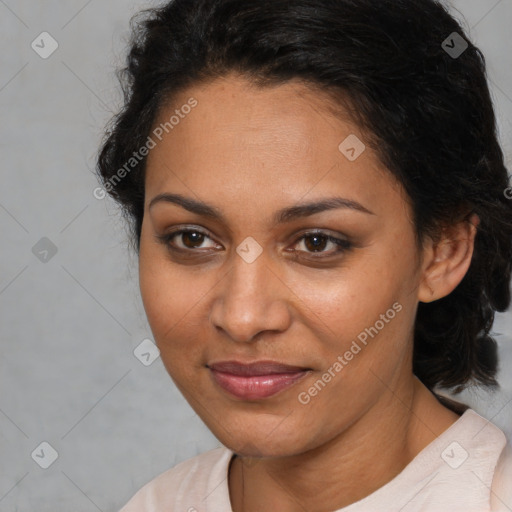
(256, 387)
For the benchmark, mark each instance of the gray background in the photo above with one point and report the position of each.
(69, 325)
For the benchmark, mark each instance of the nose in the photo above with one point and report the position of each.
(251, 299)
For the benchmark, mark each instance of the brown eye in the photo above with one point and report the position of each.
(317, 242)
(185, 240)
(190, 238)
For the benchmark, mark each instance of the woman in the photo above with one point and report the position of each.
(317, 198)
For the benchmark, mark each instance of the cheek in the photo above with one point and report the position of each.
(368, 302)
(168, 300)
(167, 303)
(165, 292)
(347, 301)
(174, 302)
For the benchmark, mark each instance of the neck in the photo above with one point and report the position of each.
(335, 474)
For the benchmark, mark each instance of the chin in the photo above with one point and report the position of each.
(260, 444)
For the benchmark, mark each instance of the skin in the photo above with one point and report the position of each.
(250, 152)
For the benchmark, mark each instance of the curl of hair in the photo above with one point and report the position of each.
(428, 116)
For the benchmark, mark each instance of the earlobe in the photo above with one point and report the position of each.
(448, 260)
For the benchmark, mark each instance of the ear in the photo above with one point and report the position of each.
(447, 259)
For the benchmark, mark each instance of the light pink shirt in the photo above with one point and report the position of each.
(468, 468)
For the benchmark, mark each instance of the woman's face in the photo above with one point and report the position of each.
(248, 285)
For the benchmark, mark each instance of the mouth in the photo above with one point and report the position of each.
(256, 380)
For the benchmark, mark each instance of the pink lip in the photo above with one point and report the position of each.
(256, 380)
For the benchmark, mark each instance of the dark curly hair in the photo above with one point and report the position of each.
(427, 112)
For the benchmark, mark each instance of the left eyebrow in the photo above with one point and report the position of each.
(307, 209)
(284, 215)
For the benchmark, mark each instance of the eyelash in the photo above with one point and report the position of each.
(342, 245)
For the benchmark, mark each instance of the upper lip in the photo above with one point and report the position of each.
(255, 368)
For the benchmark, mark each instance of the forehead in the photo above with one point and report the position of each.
(232, 113)
(247, 144)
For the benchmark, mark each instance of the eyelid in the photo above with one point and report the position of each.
(166, 237)
(343, 244)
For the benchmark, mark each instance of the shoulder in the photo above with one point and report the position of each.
(477, 466)
(501, 495)
(185, 486)
(492, 452)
